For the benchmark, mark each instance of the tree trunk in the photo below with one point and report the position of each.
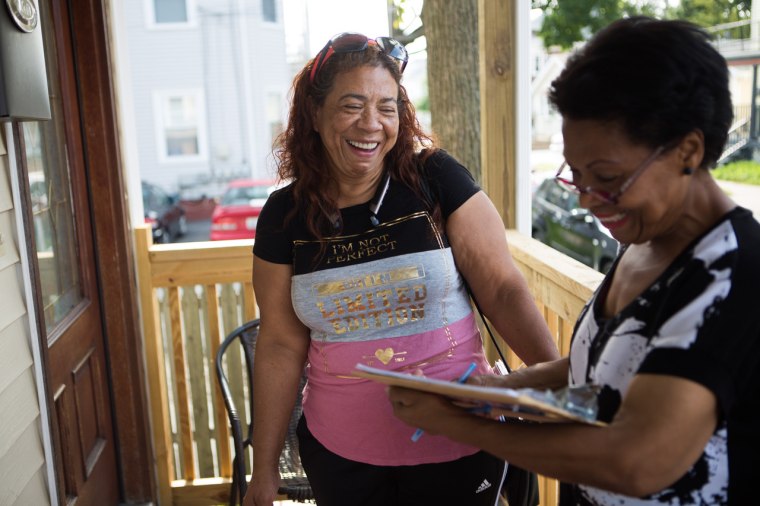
(451, 29)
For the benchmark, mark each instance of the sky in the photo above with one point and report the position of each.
(329, 17)
(310, 24)
(319, 20)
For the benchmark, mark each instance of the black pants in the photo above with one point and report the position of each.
(470, 481)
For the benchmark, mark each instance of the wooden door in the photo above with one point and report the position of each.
(70, 316)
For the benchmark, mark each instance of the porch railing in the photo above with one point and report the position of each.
(193, 294)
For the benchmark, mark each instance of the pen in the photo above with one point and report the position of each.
(419, 432)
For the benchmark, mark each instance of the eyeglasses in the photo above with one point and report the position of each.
(605, 196)
(354, 42)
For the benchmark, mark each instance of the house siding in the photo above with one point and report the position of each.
(236, 60)
(22, 461)
(35, 491)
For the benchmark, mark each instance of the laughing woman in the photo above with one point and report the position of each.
(363, 259)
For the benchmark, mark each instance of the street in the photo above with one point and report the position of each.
(197, 230)
(746, 195)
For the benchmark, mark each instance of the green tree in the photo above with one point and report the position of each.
(569, 21)
(712, 12)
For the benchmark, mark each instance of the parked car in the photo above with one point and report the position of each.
(559, 222)
(163, 213)
(237, 213)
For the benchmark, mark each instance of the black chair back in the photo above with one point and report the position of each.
(293, 481)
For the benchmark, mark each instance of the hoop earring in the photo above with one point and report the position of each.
(688, 171)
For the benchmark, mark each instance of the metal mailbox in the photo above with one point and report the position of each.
(23, 80)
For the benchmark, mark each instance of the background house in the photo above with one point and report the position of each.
(208, 83)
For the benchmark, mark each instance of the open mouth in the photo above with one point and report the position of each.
(612, 220)
(364, 146)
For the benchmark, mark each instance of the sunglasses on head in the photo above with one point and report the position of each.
(354, 42)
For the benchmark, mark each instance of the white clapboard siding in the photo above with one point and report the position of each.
(6, 201)
(8, 251)
(22, 461)
(23, 455)
(17, 414)
(11, 298)
(35, 491)
(15, 355)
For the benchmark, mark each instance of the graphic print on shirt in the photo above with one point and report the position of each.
(394, 281)
(389, 297)
(610, 353)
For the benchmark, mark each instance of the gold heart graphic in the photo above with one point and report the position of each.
(385, 355)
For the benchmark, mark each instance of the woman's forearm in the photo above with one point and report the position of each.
(277, 376)
(517, 319)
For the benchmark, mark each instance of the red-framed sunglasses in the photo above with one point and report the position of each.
(353, 42)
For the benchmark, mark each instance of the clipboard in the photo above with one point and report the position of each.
(491, 400)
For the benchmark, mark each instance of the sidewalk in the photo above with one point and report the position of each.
(746, 195)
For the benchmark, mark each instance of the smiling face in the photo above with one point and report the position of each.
(602, 157)
(359, 122)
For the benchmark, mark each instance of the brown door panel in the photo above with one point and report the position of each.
(83, 435)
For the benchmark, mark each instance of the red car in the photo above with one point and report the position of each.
(238, 210)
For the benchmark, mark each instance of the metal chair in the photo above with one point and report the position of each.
(293, 481)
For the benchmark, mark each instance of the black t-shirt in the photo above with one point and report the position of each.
(700, 320)
(450, 183)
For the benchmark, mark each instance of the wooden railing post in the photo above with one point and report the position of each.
(182, 386)
(498, 144)
(220, 412)
(154, 361)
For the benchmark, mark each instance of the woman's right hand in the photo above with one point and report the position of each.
(493, 380)
(262, 489)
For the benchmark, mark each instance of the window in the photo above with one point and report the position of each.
(54, 216)
(180, 121)
(268, 10)
(169, 13)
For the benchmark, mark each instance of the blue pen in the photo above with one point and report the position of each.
(419, 432)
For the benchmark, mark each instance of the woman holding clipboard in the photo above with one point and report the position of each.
(672, 335)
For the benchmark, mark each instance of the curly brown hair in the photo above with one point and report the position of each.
(302, 158)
